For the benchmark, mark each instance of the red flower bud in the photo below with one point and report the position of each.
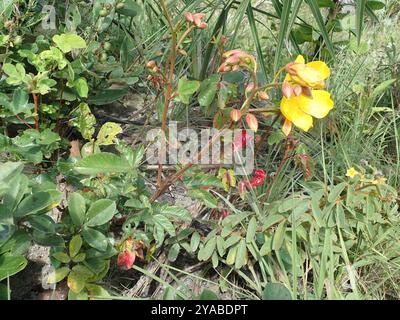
(235, 115)
(252, 122)
(225, 213)
(126, 259)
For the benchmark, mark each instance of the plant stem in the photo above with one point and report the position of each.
(36, 110)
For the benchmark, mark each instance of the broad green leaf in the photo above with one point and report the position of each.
(84, 120)
(100, 212)
(207, 294)
(108, 96)
(81, 87)
(76, 282)
(42, 223)
(62, 257)
(336, 191)
(208, 91)
(68, 41)
(76, 208)
(102, 163)
(37, 202)
(130, 9)
(10, 265)
(58, 275)
(95, 239)
(16, 74)
(174, 212)
(10, 169)
(107, 133)
(20, 102)
(75, 245)
(186, 88)
(276, 291)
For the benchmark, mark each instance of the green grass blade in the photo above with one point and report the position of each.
(313, 4)
(360, 10)
(283, 28)
(253, 27)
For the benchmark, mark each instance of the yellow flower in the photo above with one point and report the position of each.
(379, 181)
(310, 75)
(351, 173)
(301, 109)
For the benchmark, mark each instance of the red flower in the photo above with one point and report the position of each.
(126, 259)
(260, 173)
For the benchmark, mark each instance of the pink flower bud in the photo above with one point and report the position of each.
(252, 122)
(235, 115)
(287, 90)
(297, 90)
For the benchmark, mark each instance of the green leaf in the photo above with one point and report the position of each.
(8, 170)
(284, 22)
(84, 120)
(42, 223)
(204, 196)
(207, 294)
(336, 191)
(81, 87)
(251, 230)
(20, 102)
(95, 239)
(207, 250)
(16, 74)
(76, 281)
(76, 208)
(174, 252)
(75, 245)
(58, 275)
(321, 25)
(279, 236)
(360, 10)
(102, 163)
(62, 257)
(37, 202)
(276, 291)
(186, 88)
(131, 9)
(195, 241)
(375, 5)
(164, 223)
(108, 96)
(208, 91)
(382, 87)
(10, 265)
(174, 212)
(241, 255)
(68, 41)
(107, 133)
(100, 212)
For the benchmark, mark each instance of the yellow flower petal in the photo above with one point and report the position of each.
(351, 173)
(318, 105)
(300, 59)
(292, 112)
(322, 68)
